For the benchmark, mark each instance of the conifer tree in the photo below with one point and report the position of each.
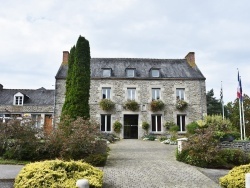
(78, 81)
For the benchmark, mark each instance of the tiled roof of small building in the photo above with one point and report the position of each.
(169, 68)
(39, 96)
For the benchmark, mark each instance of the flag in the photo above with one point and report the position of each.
(239, 89)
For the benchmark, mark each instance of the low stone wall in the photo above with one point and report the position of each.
(243, 145)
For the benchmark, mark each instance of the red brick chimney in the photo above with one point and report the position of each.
(190, 57)
(65, 57)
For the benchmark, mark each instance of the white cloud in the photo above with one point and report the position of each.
(34, 33)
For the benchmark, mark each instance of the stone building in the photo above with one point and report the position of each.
(142, 80)
(37, 105)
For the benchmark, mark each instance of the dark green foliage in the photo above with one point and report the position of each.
(19, 141)
(213, 105)
(192, 127)
(145, 126)
(96, 159)
(131, 105)
(117, 126)
(78, 81)
(174, 128)
(150, 137)
(169, 124)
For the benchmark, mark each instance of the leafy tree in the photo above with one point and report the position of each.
(234, 116)
(78, 81)
(213, 104)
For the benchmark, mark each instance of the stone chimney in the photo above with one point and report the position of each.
(65, 57)
(1, 87)
(190, 57)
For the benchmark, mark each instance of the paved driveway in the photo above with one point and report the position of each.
(150, 164)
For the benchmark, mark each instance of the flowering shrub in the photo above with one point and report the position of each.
(106, 104)
(131, 105)
(157, 105)
(181, 105)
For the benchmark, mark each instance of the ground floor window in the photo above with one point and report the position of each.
(156, 123)
(36, 118)
(181, 122)
(106, 123)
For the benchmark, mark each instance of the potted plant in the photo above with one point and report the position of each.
(106, 104)
(181, 105)
(157, 105)
(117, 126)
(145, 126)
(131, 105)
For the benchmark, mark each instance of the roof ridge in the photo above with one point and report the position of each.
(119, 58)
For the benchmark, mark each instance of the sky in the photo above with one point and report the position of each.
(34, 33)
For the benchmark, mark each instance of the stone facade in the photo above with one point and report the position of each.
(194, 86)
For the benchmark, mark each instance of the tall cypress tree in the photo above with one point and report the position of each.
(78, 81)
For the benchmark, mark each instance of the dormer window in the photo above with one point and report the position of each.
(155, 73)
(18, 99)
(106, 72)
(130, 73)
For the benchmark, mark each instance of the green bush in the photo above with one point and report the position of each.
(57, 173)
(233, 157)
(150, 137)
(117, 126)
(192, 127)
(169, 124)
(145, 126)
(107, 104)
(174, 128)
(157, 105)
(131, 105)
(235, 177)
(96, 159)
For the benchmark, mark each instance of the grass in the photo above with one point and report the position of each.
(12, 161)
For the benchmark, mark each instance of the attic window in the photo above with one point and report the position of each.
(18, 100)
(130, 73)
(155, 73)
(106, 72)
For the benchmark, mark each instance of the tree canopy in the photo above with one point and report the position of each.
(213, 105)
(78, 81)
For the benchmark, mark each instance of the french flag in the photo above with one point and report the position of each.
(239, 89)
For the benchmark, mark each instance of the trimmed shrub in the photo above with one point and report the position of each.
(235, 177)
(57, 173)
(145, 126)
(117, 126)
(107, 104)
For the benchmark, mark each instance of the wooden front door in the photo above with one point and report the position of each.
(48, 124)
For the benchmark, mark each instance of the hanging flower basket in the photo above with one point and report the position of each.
(131, 105)
(181, 105)
(107, 104)
(157, 105)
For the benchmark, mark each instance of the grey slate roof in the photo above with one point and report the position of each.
(34, 97)
(169, 68)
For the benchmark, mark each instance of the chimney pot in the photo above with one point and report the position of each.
(65, 57)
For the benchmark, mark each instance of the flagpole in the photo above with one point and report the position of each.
(222, 102)
(241, 136)
(242, 107)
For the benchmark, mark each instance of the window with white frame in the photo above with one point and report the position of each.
(130, 72)
(106, 122)
(36, 118)
(155, 73)
(18, 100)
(106, 91)
(181, 122)
(156, 123)
(106, 72)
(131, 93)
(156, 93)
(180, 93)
